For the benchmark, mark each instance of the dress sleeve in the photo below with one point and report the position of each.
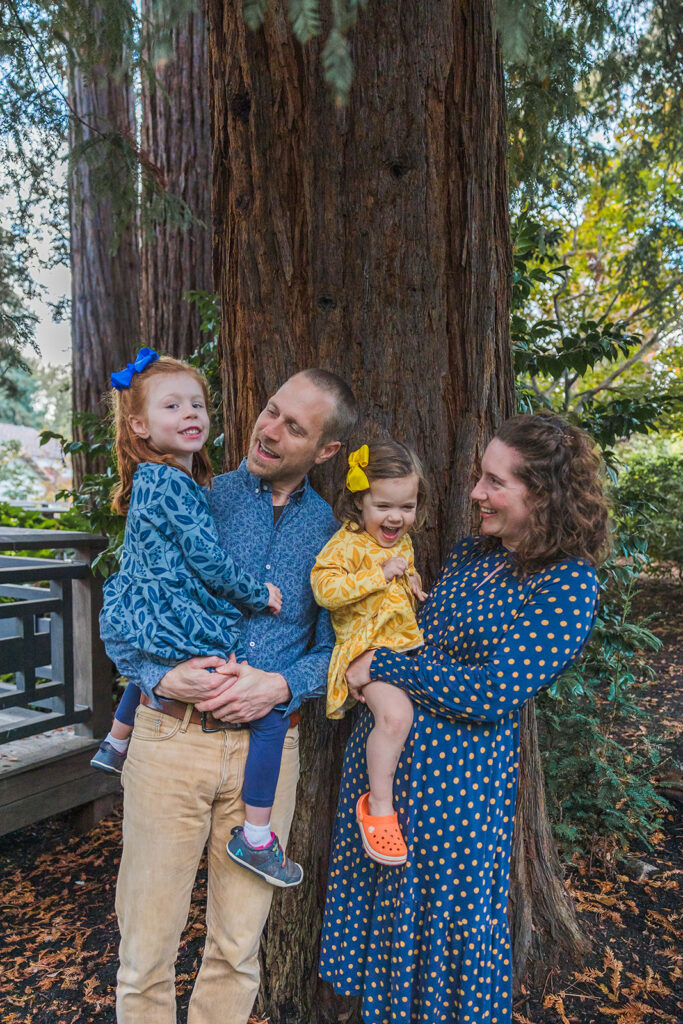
(547, 634)
(186, 513)
(333, 579)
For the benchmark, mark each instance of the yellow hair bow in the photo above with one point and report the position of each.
(356, 480)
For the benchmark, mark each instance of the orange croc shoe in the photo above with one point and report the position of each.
(382, 839)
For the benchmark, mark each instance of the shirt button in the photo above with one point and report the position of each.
(267, 567)
(252, 643)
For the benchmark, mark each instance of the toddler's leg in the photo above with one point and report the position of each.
(393, 712)
(254, 846)
(124, 718)
(112, 752)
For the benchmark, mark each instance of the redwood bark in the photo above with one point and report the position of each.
(543, 922)
(176, 137)
(104, 271)
(373, 241)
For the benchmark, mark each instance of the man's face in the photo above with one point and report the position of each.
(286, 440)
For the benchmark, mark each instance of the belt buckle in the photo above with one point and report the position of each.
(202, 715)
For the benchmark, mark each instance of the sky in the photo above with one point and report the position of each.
(54, 340)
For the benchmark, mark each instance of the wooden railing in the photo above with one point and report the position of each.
(49, 637)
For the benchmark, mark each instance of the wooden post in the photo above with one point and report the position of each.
(92, 667)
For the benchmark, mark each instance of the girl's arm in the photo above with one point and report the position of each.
(336, 582)
(186, 512)
(547, 634)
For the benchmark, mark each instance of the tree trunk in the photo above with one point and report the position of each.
(176, 136)
(543, 922)
(104, 254)
(373, 241)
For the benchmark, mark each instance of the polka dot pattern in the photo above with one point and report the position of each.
(429, 943)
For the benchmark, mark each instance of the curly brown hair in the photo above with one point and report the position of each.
(131, 449)
(387, 460)
(561, 469)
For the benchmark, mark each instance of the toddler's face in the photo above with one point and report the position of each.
(389, 508)
(176, 419)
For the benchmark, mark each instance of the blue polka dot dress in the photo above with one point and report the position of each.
(429, 942)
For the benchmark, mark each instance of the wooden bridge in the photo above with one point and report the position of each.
(55, 679)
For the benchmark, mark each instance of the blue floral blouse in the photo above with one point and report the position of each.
(175, 594)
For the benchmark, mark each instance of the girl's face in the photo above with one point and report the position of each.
(389, 508)
(501, 496)
(176, 419)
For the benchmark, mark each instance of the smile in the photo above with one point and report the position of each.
(191, 432)
(389, 532)
(265, 453)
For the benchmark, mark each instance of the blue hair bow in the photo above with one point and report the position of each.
(123, 378)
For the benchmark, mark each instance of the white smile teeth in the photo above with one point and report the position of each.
(267, 450)
(488, 511)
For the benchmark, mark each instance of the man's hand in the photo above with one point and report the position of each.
(190, 681)
(249, 693)
(394, 567)
(358, 675)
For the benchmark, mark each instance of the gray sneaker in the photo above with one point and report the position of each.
(107, 759)
(269, 862)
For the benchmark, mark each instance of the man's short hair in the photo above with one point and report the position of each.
(344, 416)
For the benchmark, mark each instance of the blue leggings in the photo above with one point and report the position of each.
(266, 737)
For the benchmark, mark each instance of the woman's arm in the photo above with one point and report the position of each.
(189, 521)
(548, 633)
(334, 580)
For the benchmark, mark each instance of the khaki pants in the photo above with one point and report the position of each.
(182, 789)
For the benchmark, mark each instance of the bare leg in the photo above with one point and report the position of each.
(257, 815)
(120, 731)
(393, 711)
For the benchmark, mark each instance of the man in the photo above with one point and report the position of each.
(184, 771)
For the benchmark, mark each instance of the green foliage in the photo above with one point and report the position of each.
(649, 491)
(306, 22)
(599, 792)
(305, 18)
(18, 476)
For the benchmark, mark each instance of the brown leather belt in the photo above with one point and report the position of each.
(178, 709)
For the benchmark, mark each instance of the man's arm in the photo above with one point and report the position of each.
(189, 680)
(251, 693)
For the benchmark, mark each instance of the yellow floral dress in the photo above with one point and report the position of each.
(366, 611)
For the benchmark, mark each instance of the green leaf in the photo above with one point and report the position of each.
(254, 13)
(338, 66)
(305, 18)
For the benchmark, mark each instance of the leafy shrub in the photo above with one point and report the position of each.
(650, 488)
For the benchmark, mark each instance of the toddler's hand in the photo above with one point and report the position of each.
(394, 567)
(275, 599)
(416, 587)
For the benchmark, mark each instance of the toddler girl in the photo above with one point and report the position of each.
(175, 594)
(365, 575)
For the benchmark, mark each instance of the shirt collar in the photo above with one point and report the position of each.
(259, 486)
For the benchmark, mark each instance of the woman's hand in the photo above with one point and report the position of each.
(358, 674)
(416, 587)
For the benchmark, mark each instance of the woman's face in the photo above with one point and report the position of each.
(501, 496)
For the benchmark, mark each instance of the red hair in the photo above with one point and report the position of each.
(131, 449)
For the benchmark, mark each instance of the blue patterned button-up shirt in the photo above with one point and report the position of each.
(296, 643)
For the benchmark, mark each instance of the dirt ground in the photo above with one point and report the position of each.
(58, 931)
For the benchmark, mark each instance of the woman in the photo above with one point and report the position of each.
(510, 610)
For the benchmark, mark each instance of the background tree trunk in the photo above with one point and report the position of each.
(373, 241)
(176, 136)
(104, 255)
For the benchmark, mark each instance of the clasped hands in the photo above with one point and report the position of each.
(233, 692)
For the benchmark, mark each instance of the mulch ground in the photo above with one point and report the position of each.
(58, 931)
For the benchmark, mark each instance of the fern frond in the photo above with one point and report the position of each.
(305, 18)
(338, 66)
(254, 13)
